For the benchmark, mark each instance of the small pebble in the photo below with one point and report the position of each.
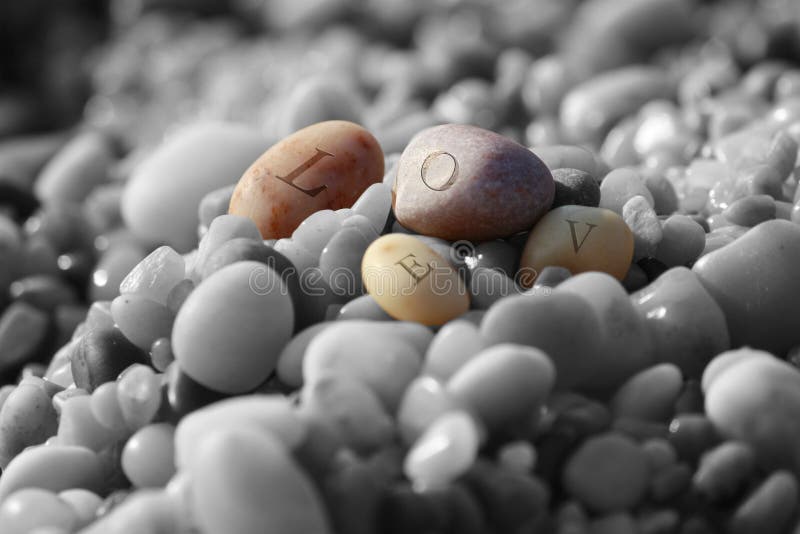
(772, 506)
(621, 185)
(649, 394)
(456, 343)
(641, 218)
(101, 355)
(751, 210)
(155, 276)
(23, 332)
(27, 417)
(32, 509)
(682, 243)
(575, 187)
(141, 319)
(424, 400)
(724, 470)
(147, 458)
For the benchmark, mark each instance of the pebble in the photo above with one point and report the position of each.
(665, 199)
(155, 276)
(76, 169)
(580, 239)
(575, 157)
(222, 326)
(105, 407)
(32, 509)
(649, 394)
(160, 201)
(643, 222)
(246, 481)
(100, 355)
(547, 323)
(111, 269)
(341, 259)
(316, 231)
(504, 384)
(54, 468)
(78, 426)
(575, 187)
(353, 409)
(724, 470)
(139, 395)
(364, 307)
(754, 399)
(385, 362)
(753, 283)
(619, 186)
(683, 241)
(241, 249)
(691, 435)
(607, 461)
(627, 347)
(290, 361)
(220, 231)
(482, 185)
(319, 98)
(375, 204)
(45, 292)
(751, 210)
(23, 332)
(185, 395)
(687, 326)
(214, 204)
(456, 343)
(323, 166)
(771, 507)
(27, 417)
(444, 452)
(424, 400)
(141, 319)
(591, 108)
(83, 503)
(411, 282)
(147, 458)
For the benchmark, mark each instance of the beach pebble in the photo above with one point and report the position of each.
(649, 394)
(43, 291)
(84, 504)
(27, 417)
(147, 458)
(363, 307)
(111, 269)
(341, 259)
(78, 426)
(319, 98)
(161, 199)
(141, 319)
(424, 400)
(621, 185)
(503, 384)
(101, 355)
(580, 239)
(641, 218)
(155, 276)
(724, 470)
(231, 329)
(220, 231)
(33, 509)
(463, 182)
(316, 231)
(576, 187)
(687, 325)
(627, 347)
(139, 395)
(246, 481)
(375, 203)
(772, 506)
(445, 451)
(683, 241)
(290, 361)
(386, 363)
(214, 204)
(750, 210)
(665, 199)
(53, 467)
(753, 283)
(575, 157)
(323, 166)
(411, 282)
(23, 331)
(606, 461)
(547, 323)
(455, 344)
(754, 399)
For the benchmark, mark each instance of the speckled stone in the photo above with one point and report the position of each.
(464, 182)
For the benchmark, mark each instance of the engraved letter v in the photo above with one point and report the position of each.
(577, 246)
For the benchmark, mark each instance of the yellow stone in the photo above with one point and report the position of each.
(581, 239)
(411, 282)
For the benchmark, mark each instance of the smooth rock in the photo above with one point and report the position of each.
(650, 394)
(455, 344)
(53, 467)
(411, 282)
(101, 355)
(36, 510)
(323, 166)
(463, 182)
(424, 400)
(750, 210)
(27, 417)
(231, 329)
(161, 199)
(76, 169)
(579, 239)
(754, 283)
(772, 506)
(575, 187)
(641, 218)
(621, 185)
(683, 241)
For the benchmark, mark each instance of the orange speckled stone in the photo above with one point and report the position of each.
(323, 166)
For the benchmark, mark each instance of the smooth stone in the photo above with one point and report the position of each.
(411, 282)
(55, 468)
(575, 187)
(753, 282)
(155, 276)
(246, 481)
(580, 239)
(665, 199)
(424, 400)
(323, 166)
(463, 182)
(27, 417)
(220, 231)
(319, 98)
(607, 461)
(100, 355)
(316, 231)
(147, 458)
(504, 384)
(269, 414)
(142, 320)
(627, 347)
(569, 157)
(547, 323)
(687, 325)
(498, 255)
(384, 361)
(290, 361)
(340, 262)
(363, 308)
(375, 203)
(76, 169)
(214, 204)
(231, 329)
(36, 510)
(650, 394)
(185, 395)
(23, 332)
(724, 470)
(444, 452)
(641, 218)
(454, 344)
(591, 108)
(241, 249)
(161, 199)
(751, 210)
(78, 426)
(621, 185)
(757, 400)
(43, 291)
(683, 241)
(771, 507)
